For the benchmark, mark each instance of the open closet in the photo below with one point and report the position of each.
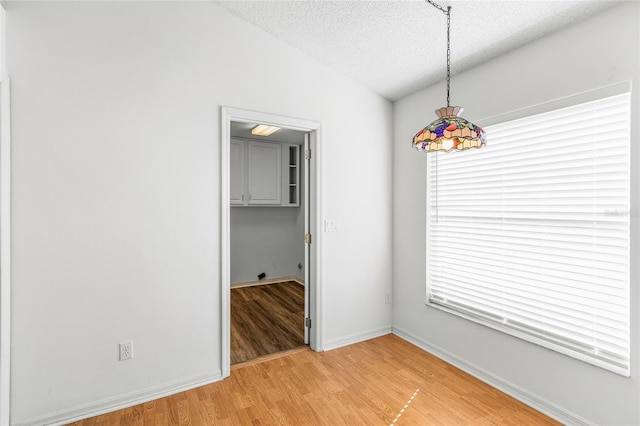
(267, 241)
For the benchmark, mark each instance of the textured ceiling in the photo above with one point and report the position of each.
(398, 47)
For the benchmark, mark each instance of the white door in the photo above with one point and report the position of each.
(307, 230)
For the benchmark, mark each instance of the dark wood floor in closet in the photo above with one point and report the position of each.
(266, 319)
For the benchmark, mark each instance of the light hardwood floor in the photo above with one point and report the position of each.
(382, 381)
(266, 319)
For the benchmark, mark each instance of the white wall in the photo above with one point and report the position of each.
(599, 52)
(116, 153)
(265, 239)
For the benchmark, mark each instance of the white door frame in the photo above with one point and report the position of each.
(228, 115)
(5, 253)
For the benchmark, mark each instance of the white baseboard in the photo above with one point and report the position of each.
(267, 281)
(542, 405)
(124, 401)
(356, 338)
(119, 402)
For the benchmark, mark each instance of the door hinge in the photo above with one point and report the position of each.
(307, 322)
(307, 238)
(307, 154)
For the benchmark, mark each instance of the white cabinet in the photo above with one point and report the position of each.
(237, 171)
(264, 162)
(263, 173)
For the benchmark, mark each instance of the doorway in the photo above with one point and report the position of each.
(267, 246)
(294, 200)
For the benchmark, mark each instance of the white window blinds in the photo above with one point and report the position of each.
(530, 235)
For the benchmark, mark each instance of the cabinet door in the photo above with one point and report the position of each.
(265, 176)
(236, 171)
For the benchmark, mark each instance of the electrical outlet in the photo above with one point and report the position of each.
(126, 351)
(387, 298)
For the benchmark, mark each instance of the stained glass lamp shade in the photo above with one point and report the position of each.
(449, 133)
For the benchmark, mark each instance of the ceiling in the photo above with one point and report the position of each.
(396, 47)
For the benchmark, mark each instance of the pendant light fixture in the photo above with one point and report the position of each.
(449, 132)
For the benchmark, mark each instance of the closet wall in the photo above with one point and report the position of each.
(266, 239)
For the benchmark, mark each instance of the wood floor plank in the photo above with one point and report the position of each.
(266, 319)
(375, 382)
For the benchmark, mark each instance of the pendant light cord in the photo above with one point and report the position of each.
(447, 12)
(448, 52)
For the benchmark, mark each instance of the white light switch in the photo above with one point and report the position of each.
(331, 226)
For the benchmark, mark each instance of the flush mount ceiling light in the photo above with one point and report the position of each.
(449, 132)
(264, 130)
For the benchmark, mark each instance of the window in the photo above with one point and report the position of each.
(530, 235)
